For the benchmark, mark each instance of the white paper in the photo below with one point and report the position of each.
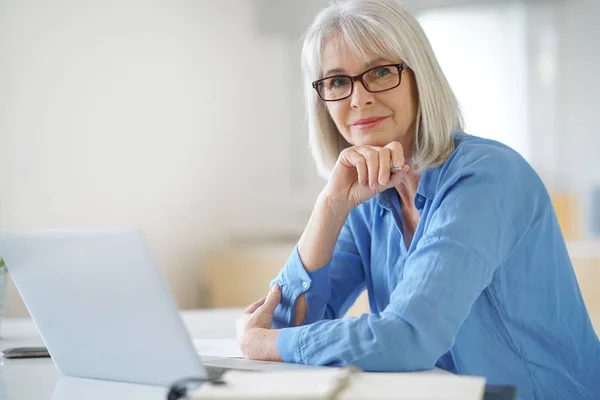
(320, 384)
(288, 385)
(414, 386)
(218, 347)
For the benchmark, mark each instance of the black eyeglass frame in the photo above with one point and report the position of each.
(401, 67)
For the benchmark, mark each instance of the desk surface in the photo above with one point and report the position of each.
(25, 379)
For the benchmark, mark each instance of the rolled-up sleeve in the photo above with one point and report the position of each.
(329, 291)
(470, 234)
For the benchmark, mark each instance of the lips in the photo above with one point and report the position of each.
(368, 122)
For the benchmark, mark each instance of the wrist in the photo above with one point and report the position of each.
(335, 208)
(260, 344)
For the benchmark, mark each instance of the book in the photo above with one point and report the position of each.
(341, 384)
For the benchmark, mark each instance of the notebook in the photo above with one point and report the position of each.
(342, 384)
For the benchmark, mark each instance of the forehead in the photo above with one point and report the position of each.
(340, 57)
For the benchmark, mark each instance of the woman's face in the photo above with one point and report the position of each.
(397, 107)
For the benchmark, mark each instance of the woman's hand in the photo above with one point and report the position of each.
(361, 172)
(254, 334)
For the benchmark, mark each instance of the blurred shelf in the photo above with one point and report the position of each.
(584, 248)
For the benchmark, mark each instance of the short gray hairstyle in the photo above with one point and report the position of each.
(384, 29)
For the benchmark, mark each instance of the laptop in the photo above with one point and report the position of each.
(103, 309)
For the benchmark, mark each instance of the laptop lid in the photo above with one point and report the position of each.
(101, 305)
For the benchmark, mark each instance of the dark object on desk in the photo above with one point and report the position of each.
(25, 352)
(178, 390)
(500, 392)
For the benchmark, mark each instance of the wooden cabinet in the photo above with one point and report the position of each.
(238, 276)
(587, 271)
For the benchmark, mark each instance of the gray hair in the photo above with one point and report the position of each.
(384, 29)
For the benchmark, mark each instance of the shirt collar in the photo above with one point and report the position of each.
(428, 183)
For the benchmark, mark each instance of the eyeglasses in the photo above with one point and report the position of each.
(377, 79)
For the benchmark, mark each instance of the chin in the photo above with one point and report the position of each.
(379, 139)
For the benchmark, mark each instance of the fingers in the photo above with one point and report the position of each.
(272, 301)
(397, 176)
(382, 162)
(371, 156)
(254, 306)
(396, 153)
(268, 303)
(384, 166)
(375, 165)
(359, 162)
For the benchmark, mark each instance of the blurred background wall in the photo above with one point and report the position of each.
(185, 119)
(173, 117)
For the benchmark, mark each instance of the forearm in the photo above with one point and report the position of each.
(318, 241)
(370, 342)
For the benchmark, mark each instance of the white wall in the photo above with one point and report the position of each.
(481, 49)
(167, 116)
(579, 80)
(526, 73)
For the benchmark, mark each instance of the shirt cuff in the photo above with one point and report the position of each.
(295, 280)
(289, 344)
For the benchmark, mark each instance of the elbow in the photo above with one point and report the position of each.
(395, 361)
(393, 345)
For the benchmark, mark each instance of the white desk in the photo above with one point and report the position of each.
(26, 379)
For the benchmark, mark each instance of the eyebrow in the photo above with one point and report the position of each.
(367, 65)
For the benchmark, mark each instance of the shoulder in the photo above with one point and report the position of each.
(487, 161)
(486, 174)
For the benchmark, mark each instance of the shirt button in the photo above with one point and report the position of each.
(420, 199)
(304, 285)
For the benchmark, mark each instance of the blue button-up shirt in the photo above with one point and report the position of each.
(486, 287)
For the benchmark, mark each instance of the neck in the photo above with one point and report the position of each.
(407, 189)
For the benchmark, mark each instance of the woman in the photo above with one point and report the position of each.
(453, 236)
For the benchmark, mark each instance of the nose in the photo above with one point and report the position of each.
(361, 97)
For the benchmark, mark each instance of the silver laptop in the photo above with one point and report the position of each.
(103, 309)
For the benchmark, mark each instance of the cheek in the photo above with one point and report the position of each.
(405, 109)
(337, 113)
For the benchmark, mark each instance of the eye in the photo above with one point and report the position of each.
(338, 81)
(382, 72)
